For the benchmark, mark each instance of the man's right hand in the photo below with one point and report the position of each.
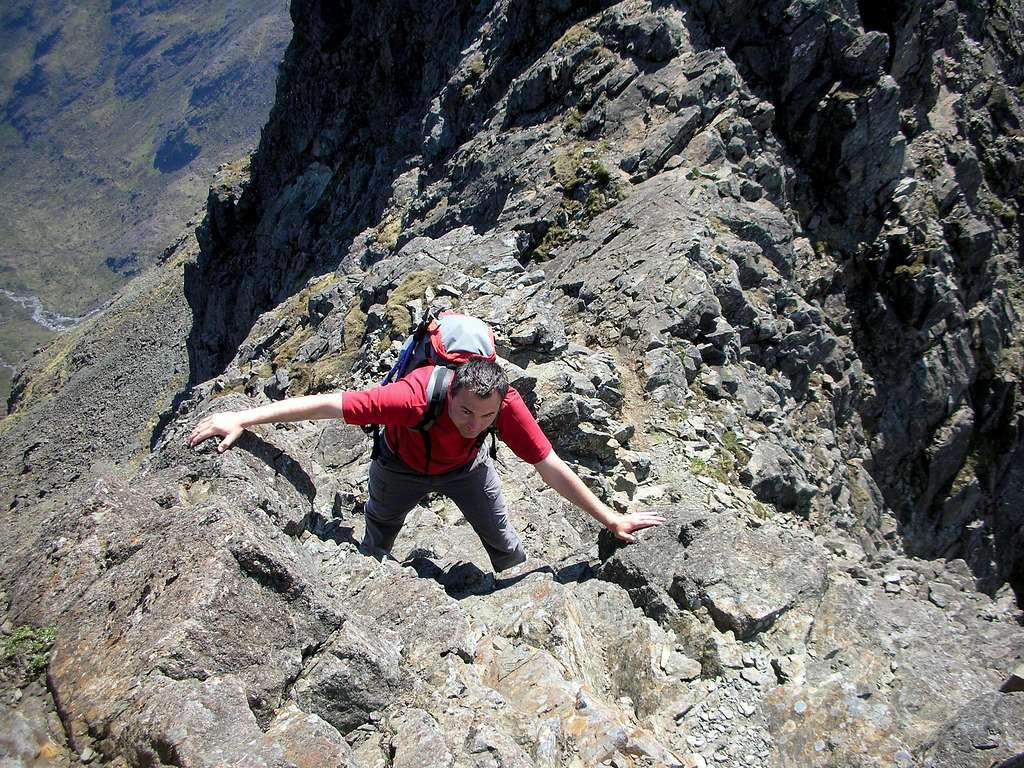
(227, 426)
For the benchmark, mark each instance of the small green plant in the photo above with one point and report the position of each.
(476, 66)
(1004, 212)
(386, 235)
(731, 443)
(28, 647)
(760, 511)
(977, 466)
(566, 169)
(588, 189)
(575, 35)
(822, 249)
(722, 468)
(572, 121)
(473, 71)
(554, 237)
(601, 175)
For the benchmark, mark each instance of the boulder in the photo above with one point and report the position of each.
(744, 577)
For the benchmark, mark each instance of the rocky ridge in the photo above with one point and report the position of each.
(700, 319)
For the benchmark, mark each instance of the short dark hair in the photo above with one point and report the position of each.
(481, 377)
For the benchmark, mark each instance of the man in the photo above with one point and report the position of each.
(448, 459)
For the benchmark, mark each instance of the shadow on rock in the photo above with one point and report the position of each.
(331, 530)
(462, 579)
(282, 464)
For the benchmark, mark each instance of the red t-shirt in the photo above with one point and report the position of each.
(400, 405)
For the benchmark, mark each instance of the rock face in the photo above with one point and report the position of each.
(732, 276)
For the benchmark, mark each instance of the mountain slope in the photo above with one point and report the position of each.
(732, 278)
(113, 117)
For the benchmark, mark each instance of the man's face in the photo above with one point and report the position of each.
(473, 414)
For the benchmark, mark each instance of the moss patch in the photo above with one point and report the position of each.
(731, 443)
(860, 499)
(576, 35)
(727, 463)
(476, 66)
(386, 234)
(326, 373)
(913, 269)
(588, 189)
(26, 651)
(713, 469)
(571, 121)
(412, 288)
(354, 329)
(1003, 211)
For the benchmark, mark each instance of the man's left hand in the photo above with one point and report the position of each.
(624, 525)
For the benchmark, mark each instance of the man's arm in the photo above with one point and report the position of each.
(557, 474)
(229, 425)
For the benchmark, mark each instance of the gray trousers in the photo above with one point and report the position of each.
(476, 490)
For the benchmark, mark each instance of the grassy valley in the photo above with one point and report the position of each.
(113, 117)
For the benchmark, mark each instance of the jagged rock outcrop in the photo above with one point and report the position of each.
(689, 247)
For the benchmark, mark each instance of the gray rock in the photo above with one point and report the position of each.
(493, 748)
(776, 478)
(666, 376)
(667, 141)
(986, 731)
(929, 680)
(1015, 682)
(745, 578)
(309, 740)
(431, 624)
(652, 36)
(356, 674)
(419, 742)
(941, 594)
(200, 724)
(29, 736)
(864, 58)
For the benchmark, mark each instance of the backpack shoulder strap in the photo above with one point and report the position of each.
(437, 391)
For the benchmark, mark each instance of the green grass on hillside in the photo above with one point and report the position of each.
(91, 93)
(19, 338)
(96, 93)
(5, 389)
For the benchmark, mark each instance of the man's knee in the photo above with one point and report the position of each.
(382, 526)
(390, 498)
